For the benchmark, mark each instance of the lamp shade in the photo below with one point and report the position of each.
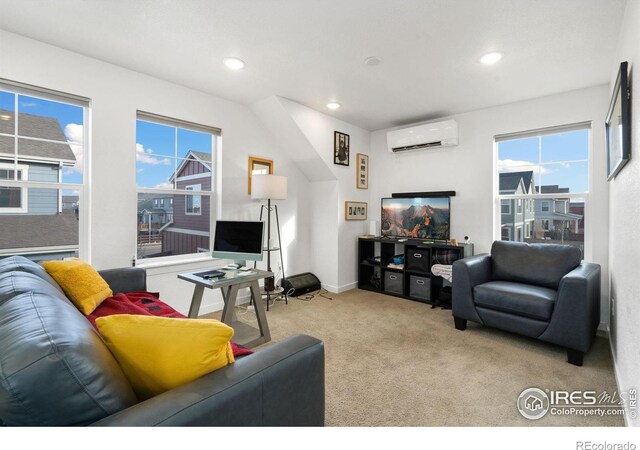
(268, 187)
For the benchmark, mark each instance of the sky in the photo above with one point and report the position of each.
(560, 159)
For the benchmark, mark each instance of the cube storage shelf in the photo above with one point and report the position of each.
(414, 280)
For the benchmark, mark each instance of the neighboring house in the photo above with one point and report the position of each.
(154, 212)
(188, 232)
(34, 218)
(517, 215)
(554, 215)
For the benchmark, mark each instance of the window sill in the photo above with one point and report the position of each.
(174, 262)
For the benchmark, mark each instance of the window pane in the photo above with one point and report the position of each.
(155, 140)
(565, 177)
(570, 146)
(155, 172)
(7, 108)
(47, 119)
(47, 229)
(197, 143)
(550, 221)
(169, 230)
(519, 152)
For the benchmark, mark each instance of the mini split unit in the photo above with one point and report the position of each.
(429, 135)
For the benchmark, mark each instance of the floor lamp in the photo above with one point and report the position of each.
(270, 187)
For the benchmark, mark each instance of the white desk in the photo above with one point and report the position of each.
(233, 281)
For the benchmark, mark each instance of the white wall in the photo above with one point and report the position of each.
(116, 94)
(318, 128)
(623, 223)
(468, 168)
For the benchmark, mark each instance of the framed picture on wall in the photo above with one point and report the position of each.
(355, 210)
(259, 166)
(362, 171)
(340, 148)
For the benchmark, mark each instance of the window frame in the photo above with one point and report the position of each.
(570, 196)
(84, 190)
(213, 194)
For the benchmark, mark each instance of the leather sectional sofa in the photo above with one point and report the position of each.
(56, 370)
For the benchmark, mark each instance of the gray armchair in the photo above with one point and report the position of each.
(543, 291)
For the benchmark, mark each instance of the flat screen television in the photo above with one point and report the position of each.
(419, 218)
(238, 240)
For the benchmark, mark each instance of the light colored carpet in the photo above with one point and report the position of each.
(395, 362)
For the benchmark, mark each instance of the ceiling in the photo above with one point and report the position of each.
(313, 51)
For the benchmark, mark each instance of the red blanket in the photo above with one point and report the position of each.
(148, 304)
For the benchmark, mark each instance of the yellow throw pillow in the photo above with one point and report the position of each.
(80, 282)
(161, 353)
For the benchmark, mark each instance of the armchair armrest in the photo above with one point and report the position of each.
(467, 274)
(576, 314)
(126, 279)
(281, 385)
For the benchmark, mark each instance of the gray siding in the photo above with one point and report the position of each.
(43, 201)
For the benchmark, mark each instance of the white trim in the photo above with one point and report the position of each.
(185, 231)
(24, 197)
(194, 177)
(38, 250)
(339, 289)
(543, 131)
(507, 204)
(173, 260)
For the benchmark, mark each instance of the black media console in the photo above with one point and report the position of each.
(413, 279)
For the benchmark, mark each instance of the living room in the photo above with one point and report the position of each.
(559, 67)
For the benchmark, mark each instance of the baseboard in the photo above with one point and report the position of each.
(340, 289)
(617, 378)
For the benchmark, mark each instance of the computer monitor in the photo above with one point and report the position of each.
(238, 240)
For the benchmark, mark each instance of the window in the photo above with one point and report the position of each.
(548, 170)
(194, 202)
(505, 206)
(43, 146)
(544, 206)
(174, 159)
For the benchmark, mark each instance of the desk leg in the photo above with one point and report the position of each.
(228, 312)
(196, 299)
(260, 314)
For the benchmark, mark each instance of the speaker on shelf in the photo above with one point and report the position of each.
(374, 227)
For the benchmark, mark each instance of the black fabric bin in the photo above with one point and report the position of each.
(418, 260)
(393, 282)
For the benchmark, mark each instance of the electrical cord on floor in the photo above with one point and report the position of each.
(311, 295)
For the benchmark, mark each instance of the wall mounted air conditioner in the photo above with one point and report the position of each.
(429, 135)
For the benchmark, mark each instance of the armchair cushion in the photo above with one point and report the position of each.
(519, 299)
(537, 264)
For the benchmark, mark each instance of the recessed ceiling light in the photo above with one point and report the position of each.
(233, 63)
(491, 58)
(333, 105)
(372, 61)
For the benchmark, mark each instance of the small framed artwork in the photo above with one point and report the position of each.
(355, 210)
(362, 171)
(259, 166)
(340, 148)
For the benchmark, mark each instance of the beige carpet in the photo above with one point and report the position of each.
(395, 362)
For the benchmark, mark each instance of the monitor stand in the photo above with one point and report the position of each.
(240, 263)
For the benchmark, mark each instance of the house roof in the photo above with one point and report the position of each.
(551, 189)
(204, 158)
(27, 230)
(509, 181)
(37, 127)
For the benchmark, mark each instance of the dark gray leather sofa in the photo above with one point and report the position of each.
(56, 370)
(543, 291)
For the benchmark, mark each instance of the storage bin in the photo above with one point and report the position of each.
(418, 260)
(420, 287)
(393, 282)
